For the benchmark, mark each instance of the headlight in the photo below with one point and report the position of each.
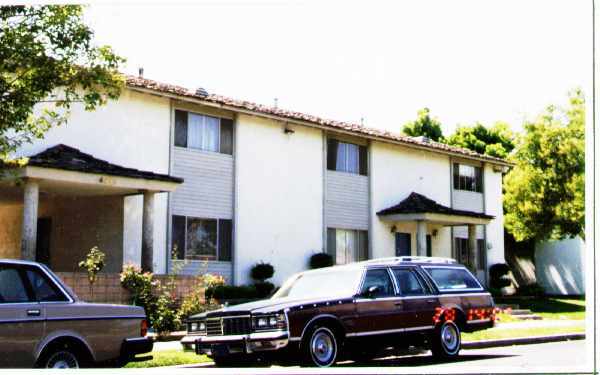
(202, 326)
(194, 326)
(270, 322)
(197, 327)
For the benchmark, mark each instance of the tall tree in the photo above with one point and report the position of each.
(497, 140)
(424, 125)
(47, 63)
(544, 192)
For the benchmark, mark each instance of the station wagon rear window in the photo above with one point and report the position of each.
(453, 278)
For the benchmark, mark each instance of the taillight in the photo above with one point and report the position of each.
(143, 328)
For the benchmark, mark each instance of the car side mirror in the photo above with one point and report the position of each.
(372, 291)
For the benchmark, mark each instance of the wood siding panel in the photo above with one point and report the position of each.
(467, 200)
(207, 191)
(347, 201)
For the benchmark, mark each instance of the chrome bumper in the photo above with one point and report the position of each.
(253, 342)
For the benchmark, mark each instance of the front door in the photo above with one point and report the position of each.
(403, 244)
(21, 318)
(42, 247)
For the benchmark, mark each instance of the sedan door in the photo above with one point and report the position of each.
(419, 304)
(377, 313)
(21, 319)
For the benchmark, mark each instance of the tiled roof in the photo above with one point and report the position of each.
(71, 159)
(359, 130)
(420, 204)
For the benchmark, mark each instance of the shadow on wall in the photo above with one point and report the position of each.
(560, 266)
(520, 257)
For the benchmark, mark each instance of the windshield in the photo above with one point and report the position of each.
(330, 283)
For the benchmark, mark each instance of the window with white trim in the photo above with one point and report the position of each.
(202, 132)
(468, 177)
(346, 157)
(201, 239)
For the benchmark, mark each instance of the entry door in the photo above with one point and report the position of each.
(403, 244)
(42, 250)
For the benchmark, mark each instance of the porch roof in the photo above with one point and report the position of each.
(418, 207)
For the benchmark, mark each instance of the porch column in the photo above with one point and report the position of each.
(31, 195)
(148, 232)
(472, 247)
(421, 238)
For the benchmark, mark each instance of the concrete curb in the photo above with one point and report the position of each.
(522, 341)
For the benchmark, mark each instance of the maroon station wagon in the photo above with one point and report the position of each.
(352, 312)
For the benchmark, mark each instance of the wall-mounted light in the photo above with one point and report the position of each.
(393, 230)
(434, 232)
(287, 130)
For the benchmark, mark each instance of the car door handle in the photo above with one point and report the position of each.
(430, 301)
(398, 303)
(33, 312)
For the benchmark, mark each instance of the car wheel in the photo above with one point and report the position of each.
(62, 359)
(321, 347)
(445, 342)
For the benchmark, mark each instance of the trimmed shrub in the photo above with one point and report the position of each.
(320, 260)
(262, 271)
(499, 276)
(264, 289)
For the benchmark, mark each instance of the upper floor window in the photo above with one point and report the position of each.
(468, 177)
(203, 132)
(346, 157)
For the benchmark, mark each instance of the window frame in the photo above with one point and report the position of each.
(219, 141)
(362, 157)
(426, 288)
(50, 278)
(446, 290)
(364, 279)
(460, 180)
(361, 238)
(217, 236)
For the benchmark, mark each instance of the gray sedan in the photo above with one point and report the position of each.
(44, 324)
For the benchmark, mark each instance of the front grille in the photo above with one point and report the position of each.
(214, 327)
(237, 326)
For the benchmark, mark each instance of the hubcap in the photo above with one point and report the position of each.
(450, 337)
(322, 347)
(62, 360)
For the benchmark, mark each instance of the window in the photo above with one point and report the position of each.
(381, 279)
(408, 283)
(452, 278)
(44, 290)
(341, 283)
(346, 157)
(347, 246)
(467, 177)
(461, 246)
(12, 289)
(202, 132)
(201, 239)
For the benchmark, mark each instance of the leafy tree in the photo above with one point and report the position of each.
(48, 61)
(544, 192)
(496, 141)
(424, 125)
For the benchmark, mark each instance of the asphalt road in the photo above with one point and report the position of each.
(566, 356)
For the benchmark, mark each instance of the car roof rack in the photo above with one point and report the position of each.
(411, 259)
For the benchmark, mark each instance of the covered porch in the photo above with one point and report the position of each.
(62, 202)
(426, 218)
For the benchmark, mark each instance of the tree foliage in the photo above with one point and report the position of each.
(497, 140)
(47, 58)
(544, 192)
(424, 125)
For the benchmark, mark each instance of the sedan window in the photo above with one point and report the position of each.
(12, 289)
(408, 283)
(44, 290)
(379, 278)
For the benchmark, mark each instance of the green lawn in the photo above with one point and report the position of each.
(499, 333)
(551, 308)
(169, 358)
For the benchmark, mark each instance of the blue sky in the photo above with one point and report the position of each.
(465, 60)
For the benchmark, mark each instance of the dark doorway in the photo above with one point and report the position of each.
(429, 245)
(42, 248)
(403, 244)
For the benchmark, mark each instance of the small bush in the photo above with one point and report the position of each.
(262, 271)
(320, 260)
(264, 289)
(499, 276)
(532, 290)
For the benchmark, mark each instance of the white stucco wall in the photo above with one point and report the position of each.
(133, 132)
(492, 185)
(279, 197)
(560, 266)
(395, 173)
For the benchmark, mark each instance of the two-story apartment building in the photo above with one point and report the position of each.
(203, 183)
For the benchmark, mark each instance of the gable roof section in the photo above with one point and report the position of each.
(71, 159)
(356, 129)
(420, 204)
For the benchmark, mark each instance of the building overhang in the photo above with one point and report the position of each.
(435, 218)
